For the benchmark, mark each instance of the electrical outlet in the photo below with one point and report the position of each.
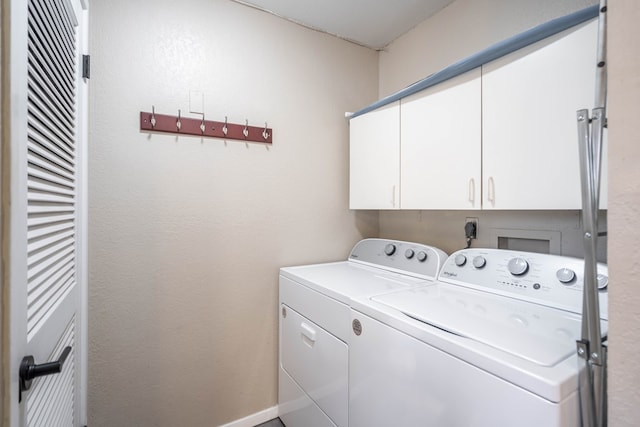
(471, 231)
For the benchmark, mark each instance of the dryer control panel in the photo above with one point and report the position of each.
(550, 280)
(414, 259)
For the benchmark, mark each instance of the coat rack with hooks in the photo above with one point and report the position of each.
(153, 122)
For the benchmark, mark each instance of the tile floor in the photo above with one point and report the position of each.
(273, 423)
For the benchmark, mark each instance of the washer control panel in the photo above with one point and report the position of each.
(403, 257)
(551, 280)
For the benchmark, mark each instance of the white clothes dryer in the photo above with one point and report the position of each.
(491, 343)
(315, 323)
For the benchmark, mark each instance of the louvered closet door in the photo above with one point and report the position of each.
(52, 177)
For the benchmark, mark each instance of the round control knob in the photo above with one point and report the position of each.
(603, 282)
(409, 253)
(565, 275)
(518, 266)
(390, 249)
(460, 260)
(479, 261)
(422, 256)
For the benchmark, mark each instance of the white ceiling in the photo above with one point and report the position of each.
(371, 23)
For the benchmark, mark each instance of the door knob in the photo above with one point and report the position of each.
(29, 370)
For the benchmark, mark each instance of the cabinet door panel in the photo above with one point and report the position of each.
(441, 146)
(375, 159)
(529, 104)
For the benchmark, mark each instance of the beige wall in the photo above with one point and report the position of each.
(624, 190)
(467, 26)
(4, 382)
(445, 229)
(459, 30)
(187, 235)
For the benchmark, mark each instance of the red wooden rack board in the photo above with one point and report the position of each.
(208, 128)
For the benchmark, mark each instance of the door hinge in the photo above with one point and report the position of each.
(86, 66)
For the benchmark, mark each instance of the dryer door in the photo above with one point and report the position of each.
(317, 361)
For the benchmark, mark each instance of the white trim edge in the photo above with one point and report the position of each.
(255, 419)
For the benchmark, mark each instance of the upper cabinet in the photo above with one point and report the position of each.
(374, 174)
(503, 136)
(441, 146)
(529, 129)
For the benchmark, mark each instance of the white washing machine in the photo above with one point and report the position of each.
(491, 343)
(315, 323)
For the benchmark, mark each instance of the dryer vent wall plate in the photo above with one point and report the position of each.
(539, 241)
(525, 245)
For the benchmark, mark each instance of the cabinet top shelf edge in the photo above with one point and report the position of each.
(489, 54)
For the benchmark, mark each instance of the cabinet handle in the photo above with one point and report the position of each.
(308, 332)
(472, 191)
(491, 193)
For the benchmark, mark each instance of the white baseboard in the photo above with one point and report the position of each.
(255, 419)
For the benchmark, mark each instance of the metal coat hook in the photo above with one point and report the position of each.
(200, 126)
(153, 117)
(245, 131)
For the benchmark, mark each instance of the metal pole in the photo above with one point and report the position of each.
(601, 72)
(592, 354)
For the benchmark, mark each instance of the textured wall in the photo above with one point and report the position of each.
(186, 236)
(445, 229)
(4, 374)
(459, 30)
(624, 179)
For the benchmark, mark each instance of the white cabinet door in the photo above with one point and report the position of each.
(375, 159)
(441, 145)
(529, 104)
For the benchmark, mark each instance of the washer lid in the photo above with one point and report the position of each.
(346, 279)
(542, 335)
